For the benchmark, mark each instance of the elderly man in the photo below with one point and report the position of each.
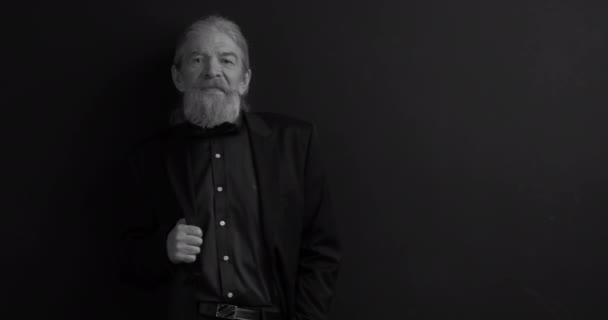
(231, 207)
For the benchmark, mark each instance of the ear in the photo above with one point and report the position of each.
(244, 85)
(178, 81)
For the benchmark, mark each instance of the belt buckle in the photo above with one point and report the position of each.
(226, 311)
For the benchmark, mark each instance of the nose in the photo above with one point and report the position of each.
(213, 69)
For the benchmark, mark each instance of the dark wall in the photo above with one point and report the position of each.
(465, 142)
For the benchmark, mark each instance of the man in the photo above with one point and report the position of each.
(231, 207)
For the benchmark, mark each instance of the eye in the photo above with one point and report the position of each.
(196, 60)
(227, 61)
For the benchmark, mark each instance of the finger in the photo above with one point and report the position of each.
(187, 229)
(181, 221)
(193, 230)
(187, 258)
(189, 250)
(191, 240)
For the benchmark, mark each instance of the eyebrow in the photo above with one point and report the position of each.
(222, 54)
(231, 54)
(192, 53)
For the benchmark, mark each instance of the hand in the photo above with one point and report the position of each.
(183, 242)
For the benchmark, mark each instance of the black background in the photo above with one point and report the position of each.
(465, 142)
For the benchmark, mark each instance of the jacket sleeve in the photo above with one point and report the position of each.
(143, 255)
(320, 249)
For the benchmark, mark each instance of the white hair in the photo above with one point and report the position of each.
(220, 23)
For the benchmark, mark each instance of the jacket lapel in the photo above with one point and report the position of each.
(180, 174)
(266, 163)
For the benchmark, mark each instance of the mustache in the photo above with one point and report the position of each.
(213, 85)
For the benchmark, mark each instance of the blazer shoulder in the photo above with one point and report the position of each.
(281, 121)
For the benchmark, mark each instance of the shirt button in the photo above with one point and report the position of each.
(219, 189)
(217, 155)
(222, 223)
(226, 258)
(230, 295)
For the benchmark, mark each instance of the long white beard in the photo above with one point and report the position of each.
(209, 108)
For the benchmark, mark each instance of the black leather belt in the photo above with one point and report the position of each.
(229, 311)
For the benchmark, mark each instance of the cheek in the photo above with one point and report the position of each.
(236, 80)
(194, 70)
(190, 77)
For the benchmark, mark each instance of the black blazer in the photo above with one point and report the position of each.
(299, 228)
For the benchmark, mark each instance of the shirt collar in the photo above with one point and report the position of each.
(225, 128)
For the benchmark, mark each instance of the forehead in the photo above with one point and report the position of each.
(211, 40)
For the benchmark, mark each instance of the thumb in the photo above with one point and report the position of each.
(181, 221)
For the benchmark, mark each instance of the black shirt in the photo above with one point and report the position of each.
(232, 266)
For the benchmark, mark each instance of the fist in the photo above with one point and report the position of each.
(184, 242)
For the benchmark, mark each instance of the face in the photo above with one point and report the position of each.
(212, 63)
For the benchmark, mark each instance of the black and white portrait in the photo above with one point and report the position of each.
(319, 160)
